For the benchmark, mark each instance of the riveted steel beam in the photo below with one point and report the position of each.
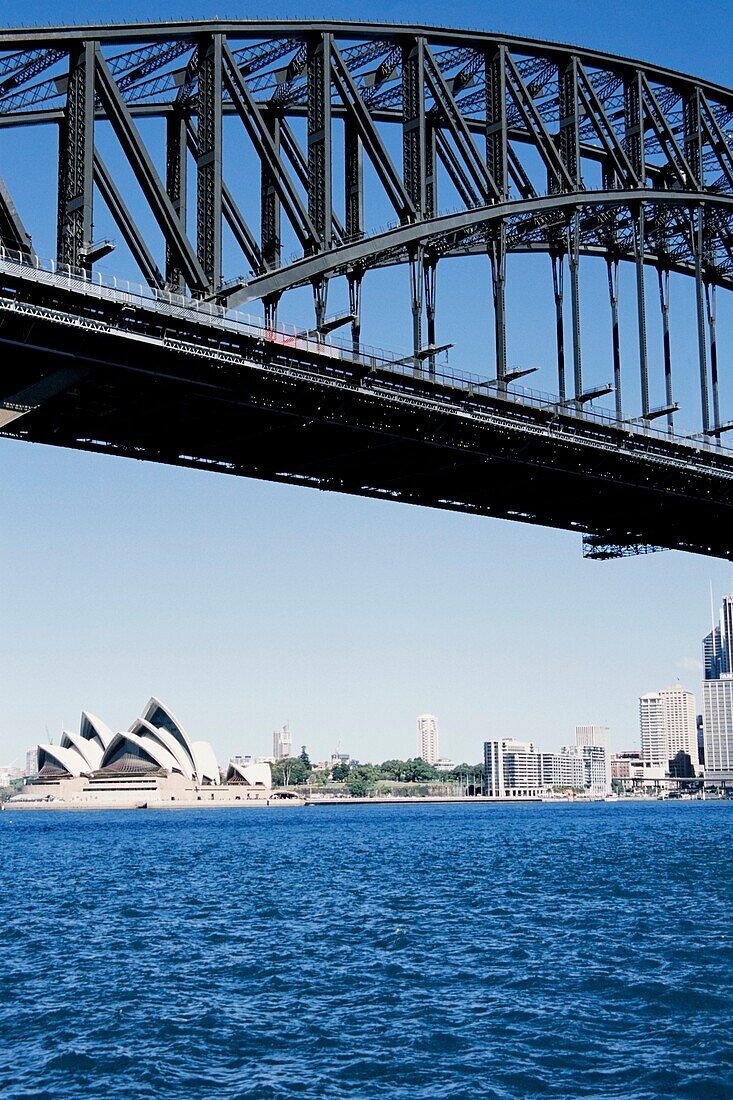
(404, 237)
(497, 141)
(125, 222)
(371, 140)
(451, 114)
(415, 168)
(13, 233)
(535, 126)
(146, 175)
(270, 220)
(208, 161)
(76, 159)
(176, 183)
(685, 175)
(319, 136)
(250, 115)
(595, 112)
(233, 216)
(569, 135)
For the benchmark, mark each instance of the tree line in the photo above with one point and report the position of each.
(359, 779)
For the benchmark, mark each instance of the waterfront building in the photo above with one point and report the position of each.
(513, 769)
(597, 737)
(427, 738)
(596, 764)
(153, 763)
(627, 766)
(563, 769)
(516, 769)
(443, 764)
(717, 718)
(668, 725)
(282, 743)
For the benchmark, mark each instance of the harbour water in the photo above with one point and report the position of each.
(397, 951)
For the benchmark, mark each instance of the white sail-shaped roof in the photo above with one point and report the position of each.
(207, 768)
(149, 746)
(91, 726)
(69, 759)
(160, 716)
(168, 741)
(90, 749)
(254, 775)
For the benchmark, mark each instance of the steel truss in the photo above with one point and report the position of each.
(507, 145)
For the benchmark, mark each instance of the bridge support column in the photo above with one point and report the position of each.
(76, 160)
(574, 262)
(698, 238)
(208, 165)
(320, 301)
(430, 269)
(416, 293)
(176, 184)
(711, 303)
(355, 311)
(270, 303)
(663, 275)
(319, 136)
(558, 279)
(639, 250)
(354, 226)
(612, 264)
(270, 200)
(497, 257)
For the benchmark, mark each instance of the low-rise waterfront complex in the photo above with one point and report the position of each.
(516, 769)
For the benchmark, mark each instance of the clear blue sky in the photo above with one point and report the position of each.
(244, 605)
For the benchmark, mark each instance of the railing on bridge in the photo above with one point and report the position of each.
(443, 376)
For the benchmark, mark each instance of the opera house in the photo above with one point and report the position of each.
(154, 764)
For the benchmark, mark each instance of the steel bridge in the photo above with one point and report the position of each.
(240, 161)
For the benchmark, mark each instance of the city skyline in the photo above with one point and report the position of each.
(349, 616)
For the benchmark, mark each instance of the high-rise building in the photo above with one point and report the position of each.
(597, 737)
(668, 726)
(717, 718)
(31, 762)
(427, 738)
(282, 743)
(717, 646)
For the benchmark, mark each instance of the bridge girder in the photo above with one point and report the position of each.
(260, 151)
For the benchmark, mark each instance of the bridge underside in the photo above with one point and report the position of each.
(127, 381)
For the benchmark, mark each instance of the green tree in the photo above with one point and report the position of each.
(417, 771)
(290, 772)
(305, 761)
(357, 785)
(393, 769)
(340, 772)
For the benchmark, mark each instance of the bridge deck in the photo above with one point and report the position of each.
(163, 381)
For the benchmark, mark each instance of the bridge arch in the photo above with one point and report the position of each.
(234, 162)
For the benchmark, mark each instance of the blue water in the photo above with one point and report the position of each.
(407, 951)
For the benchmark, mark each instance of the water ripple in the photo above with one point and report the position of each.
(408, 952)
